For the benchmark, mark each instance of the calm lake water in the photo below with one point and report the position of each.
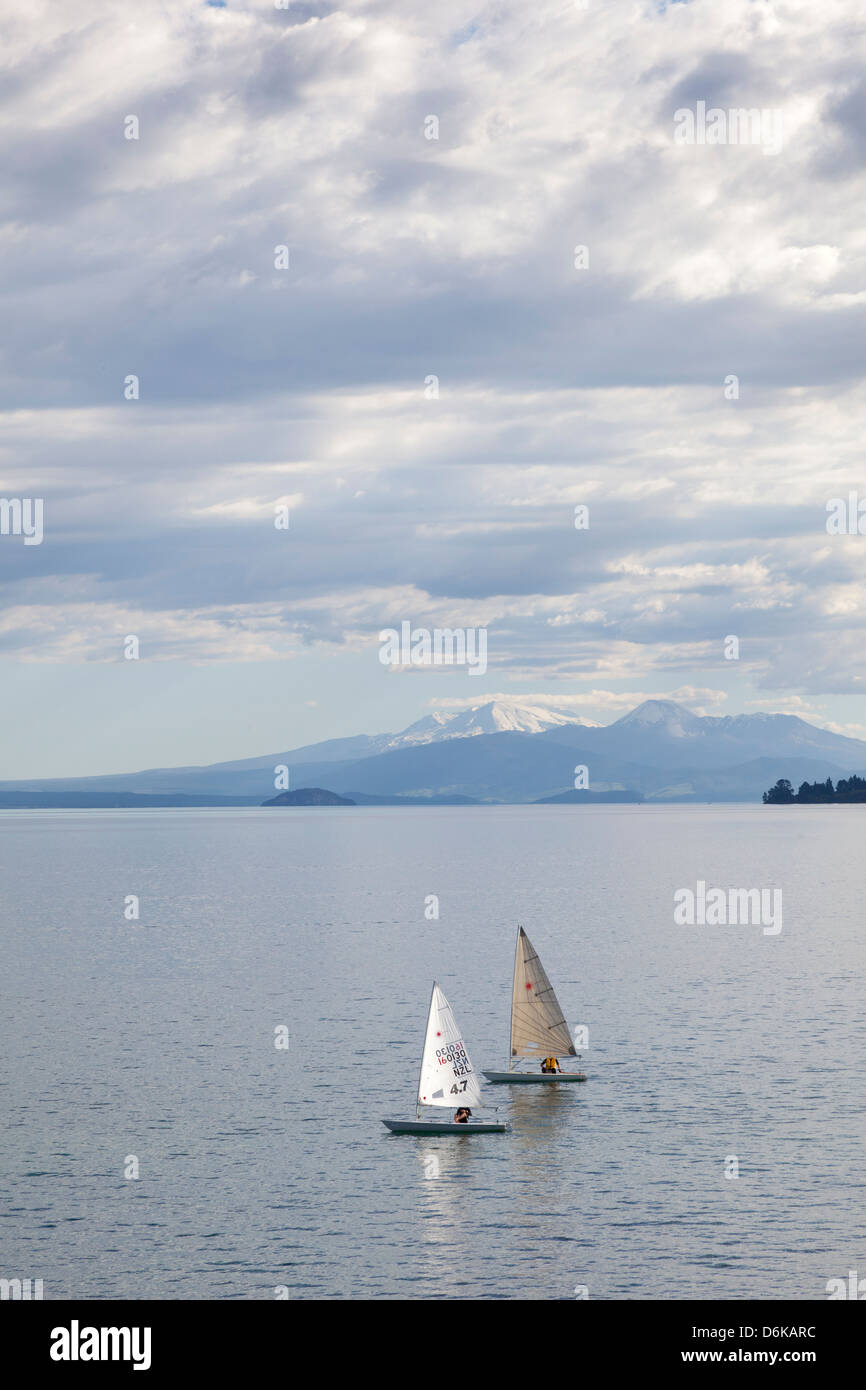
(262, 1167)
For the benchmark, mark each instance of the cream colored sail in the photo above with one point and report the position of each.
(538, 1028)
(447, 1077)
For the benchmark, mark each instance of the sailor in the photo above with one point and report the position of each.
(462, 1116)
(551, 1064)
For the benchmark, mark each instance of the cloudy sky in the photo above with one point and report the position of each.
(602, 384)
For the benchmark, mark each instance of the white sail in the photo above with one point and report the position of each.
(447, 1077)
(537, 1024)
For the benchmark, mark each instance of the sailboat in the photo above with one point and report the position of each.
(538, 1028)
(446, 1079)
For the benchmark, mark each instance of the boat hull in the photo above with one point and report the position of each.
(446, 1127)
(532, 1078)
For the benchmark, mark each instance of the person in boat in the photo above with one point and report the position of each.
(551, 1064)
(462, 1116)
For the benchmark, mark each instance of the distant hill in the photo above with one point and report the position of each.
(504, 751)
(662, 734)
(308, 796)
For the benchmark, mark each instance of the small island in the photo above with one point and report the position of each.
(309, 796)
(847, 789)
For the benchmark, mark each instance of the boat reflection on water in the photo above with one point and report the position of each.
(443, 1161)
(443, 1173)
(533, 1111)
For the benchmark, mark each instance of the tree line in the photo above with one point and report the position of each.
(851, 788)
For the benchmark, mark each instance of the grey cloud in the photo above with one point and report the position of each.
(413, 257)
(726, 79)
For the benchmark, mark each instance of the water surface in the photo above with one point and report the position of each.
(262, 1168)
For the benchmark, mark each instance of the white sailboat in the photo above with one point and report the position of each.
(446, 1079)
(538, 1028)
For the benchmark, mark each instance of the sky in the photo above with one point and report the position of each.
(692, 376)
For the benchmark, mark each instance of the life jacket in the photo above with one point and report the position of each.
(549, 1064)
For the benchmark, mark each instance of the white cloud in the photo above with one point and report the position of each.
(455, 258)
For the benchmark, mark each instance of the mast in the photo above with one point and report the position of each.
(511, 1029)
(421, 1067)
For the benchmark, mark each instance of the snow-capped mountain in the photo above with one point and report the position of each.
(506, 749)
(495, 716)
(499, 716)
(661, 733)
(661, 716)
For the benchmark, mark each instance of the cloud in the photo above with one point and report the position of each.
(701, 700)
(452, 257)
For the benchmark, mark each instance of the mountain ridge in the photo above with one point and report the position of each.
(660, 749)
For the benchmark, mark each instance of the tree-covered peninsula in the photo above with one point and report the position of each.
(847, 789)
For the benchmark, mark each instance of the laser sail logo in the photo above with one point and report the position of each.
(443, 646)
(76, 1343)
